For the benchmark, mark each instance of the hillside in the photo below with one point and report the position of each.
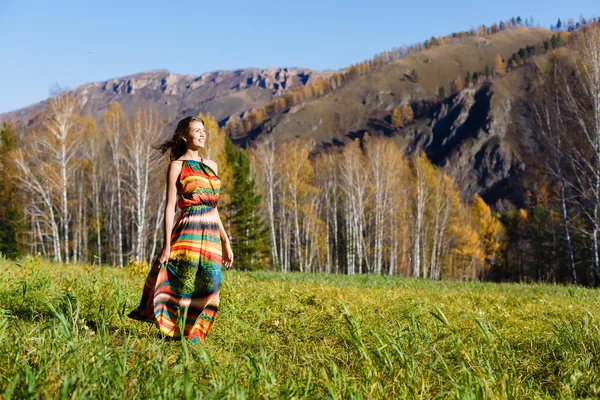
(281, 335)
(389, 86)
(221, 93)
(466, 135)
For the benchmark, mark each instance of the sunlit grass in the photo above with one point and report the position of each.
(64, 334)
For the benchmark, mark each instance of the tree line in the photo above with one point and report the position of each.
(367, 208)
(75, 189)
(78, 190)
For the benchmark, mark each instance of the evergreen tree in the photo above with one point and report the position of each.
(442, 93)
(517, 58)
(249, 236)
(488, 70)
(414, 75)
(11, 212)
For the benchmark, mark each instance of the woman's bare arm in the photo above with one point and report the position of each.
(172, 175)
(225, 243)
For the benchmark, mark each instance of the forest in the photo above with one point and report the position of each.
(91, 190)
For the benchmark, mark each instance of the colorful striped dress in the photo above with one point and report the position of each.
(185, 290)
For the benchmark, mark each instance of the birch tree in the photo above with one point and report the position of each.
(552, 133)
(265, 162)
(382, 156)
(421, 197)
(112, 123)
(63, 144)
(143, 129)
(588, 64)
(353, 181)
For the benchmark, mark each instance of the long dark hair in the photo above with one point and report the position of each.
(176, 146)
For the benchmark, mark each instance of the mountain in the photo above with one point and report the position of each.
(471, 134)
(467, 134)
(222, 93)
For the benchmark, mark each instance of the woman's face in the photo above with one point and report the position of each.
(197, 135)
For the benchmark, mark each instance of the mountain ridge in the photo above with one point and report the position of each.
(183, 94)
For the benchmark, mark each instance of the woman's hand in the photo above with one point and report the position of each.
(164, 256)
(227, 255)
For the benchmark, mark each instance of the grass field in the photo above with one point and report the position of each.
(63, 334)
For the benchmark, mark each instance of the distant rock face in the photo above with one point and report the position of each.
(222, 93)
(466, 138)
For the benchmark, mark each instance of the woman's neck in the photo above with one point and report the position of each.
(193, 154)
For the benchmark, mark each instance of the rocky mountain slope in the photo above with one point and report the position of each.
(468, 134)
(222, 93)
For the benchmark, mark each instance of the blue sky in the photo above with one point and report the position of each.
(43, 43)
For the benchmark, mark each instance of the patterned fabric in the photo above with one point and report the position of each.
(185, 290)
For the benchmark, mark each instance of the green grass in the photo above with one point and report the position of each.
(63, 334)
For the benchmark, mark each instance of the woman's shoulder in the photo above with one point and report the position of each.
(175, 166)
(212, 164)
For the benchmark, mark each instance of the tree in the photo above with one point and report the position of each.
(265, 163)
(142, 129)
(249, 235)
(420, 169)
(63, 144)
(442, 92)
(490, 228)
(517, 58)
(382, 159)
(112, 125)
(414, 75)
(11, 210)
(468, 79)
(457, 85)
(559, 25)
(582, 97)
(552, 132)
(499, 66)
(407, 114)
(488, 71)
(396, 117)
(353, 178)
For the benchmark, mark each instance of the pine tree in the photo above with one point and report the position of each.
(414, 75)
(517, 58)
(488, 70)
(11, 213)
(249, 236)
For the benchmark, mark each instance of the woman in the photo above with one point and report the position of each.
(182, 288)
